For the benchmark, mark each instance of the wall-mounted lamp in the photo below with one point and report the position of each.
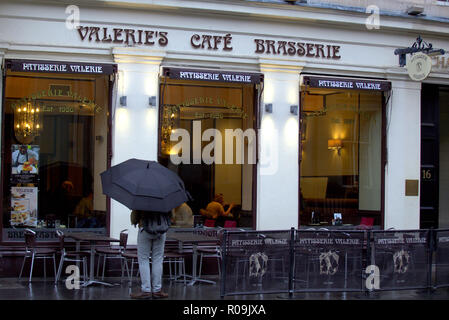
(152, 101)
(415, 10)
(269, 107)
(123, 101)
(294, 110)
(335, 144)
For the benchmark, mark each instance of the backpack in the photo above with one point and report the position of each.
(156, 222)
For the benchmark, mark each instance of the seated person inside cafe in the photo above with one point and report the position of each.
(182, 216)
(216, 210)
(84, 212)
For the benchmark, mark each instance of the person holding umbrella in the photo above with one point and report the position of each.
(150, 243)
(151, 191)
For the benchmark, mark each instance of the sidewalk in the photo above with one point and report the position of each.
(39, 289)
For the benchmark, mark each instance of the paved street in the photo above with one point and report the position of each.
(12, 289)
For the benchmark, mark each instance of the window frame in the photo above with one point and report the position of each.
(258, 90)
(110, 71)
(385, 95)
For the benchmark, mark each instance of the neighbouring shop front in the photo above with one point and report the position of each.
(56, 128)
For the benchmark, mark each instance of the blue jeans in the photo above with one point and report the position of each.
(150, 245)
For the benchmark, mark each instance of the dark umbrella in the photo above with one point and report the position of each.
(144, 185)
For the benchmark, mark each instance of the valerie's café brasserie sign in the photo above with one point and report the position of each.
(210, 42)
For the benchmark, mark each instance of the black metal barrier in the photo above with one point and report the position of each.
(255, 262)
(329, 260)
(292, 261)
(441, 258)
(403, 259)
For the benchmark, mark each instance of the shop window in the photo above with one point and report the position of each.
(55, 136)
(341, 156)
(207, 136)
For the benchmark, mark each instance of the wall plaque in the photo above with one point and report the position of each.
(411, 187)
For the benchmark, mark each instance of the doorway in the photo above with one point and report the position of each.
(434, 203)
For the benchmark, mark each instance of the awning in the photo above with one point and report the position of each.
(212, 75)
(59, 67)
(346, 83)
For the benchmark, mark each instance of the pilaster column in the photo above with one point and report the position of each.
(278, 174)
(403, 154)
(134, 127)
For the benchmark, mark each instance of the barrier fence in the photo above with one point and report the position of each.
(293, 261)
(328, 260)
(403, 259)
(441, 258)
(255, 262)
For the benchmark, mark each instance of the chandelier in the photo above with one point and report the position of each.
(170, 120)
(26, 122)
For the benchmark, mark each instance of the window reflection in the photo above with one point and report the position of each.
(213, 126)
(57, 150)
(341, 139)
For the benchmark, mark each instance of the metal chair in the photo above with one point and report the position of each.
(111, 253)
(71, 256)
(177, 259)
(128, 254)
(31, 251)
(209, 252)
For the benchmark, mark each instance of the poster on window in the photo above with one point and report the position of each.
(24, 206)
(24, 163)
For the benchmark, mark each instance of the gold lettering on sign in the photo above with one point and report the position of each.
(300, 49)
(86, 102)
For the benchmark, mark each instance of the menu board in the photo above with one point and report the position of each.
(25, 163)
(24, 206)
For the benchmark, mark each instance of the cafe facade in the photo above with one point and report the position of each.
(291, 113)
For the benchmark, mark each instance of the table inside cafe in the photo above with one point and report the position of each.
(327, 226)
(195, 237)
(93, 239)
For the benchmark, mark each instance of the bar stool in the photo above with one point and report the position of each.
(31, 251)
(71, 256)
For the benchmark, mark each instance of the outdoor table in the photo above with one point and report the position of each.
(92, 238)
(195, 237)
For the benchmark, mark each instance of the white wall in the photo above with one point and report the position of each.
(277, 198)
(134, 127)
(403, 154)
(37, 31)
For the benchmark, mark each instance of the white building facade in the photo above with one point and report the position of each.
(287, 48)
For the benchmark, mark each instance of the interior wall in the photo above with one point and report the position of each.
(247, 168)
(339, 122)
(228, 177)
(100, 142)
(370, 160)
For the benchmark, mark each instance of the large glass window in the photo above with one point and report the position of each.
(207, 135)
(55, 140)
(341, 150)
